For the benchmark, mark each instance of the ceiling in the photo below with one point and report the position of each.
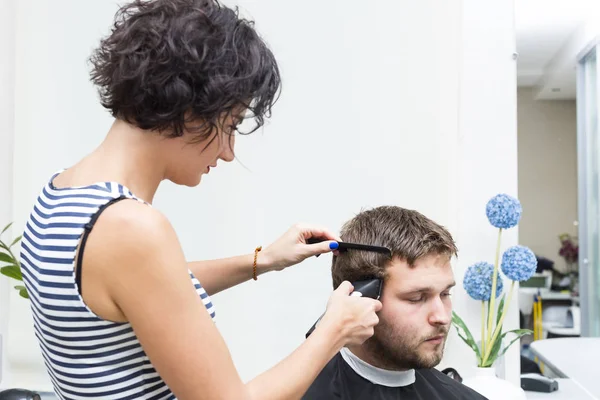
(543, 31)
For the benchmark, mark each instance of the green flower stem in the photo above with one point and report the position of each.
(500, 322)
(482, 329)
(493, 294)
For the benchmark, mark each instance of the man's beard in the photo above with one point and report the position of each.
(401, 351)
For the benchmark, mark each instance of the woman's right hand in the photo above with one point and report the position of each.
(354, 317)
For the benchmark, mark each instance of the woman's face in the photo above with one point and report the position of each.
(189, 160)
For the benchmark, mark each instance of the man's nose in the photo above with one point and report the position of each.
(440, 313)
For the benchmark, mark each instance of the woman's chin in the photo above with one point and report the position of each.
(187, 181)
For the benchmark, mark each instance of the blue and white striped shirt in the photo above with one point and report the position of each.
(86, 357)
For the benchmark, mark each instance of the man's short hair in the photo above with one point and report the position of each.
(407, 233)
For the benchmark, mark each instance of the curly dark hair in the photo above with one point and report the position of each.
(170, 64)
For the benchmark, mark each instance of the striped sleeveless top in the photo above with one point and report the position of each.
(86, 357)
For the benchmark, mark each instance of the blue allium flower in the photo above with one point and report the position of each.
(478, 281)
(519, 263)
(503, 211)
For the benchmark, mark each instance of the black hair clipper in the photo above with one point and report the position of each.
(365, 288)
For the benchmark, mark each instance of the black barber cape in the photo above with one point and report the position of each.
(339, 380)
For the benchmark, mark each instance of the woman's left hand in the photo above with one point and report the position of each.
(292, 248)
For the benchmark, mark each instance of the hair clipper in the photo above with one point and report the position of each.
(365, 288)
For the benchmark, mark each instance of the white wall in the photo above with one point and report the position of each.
(547, 172)
(381, 105)
(7, 73)
(484, 156)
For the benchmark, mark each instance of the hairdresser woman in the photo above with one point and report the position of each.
(118, 311)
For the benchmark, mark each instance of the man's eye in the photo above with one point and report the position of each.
(416, 300)
(448, 294)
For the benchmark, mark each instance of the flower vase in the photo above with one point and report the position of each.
(486, 383)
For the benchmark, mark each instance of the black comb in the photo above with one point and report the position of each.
(344, 246)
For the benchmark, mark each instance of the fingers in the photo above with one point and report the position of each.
(374, 305)
(347, 289)
(375, 320)
(316, 240)
(357, 316)
(313, 231)
(377, 306)
(344, 289)
(323, 247)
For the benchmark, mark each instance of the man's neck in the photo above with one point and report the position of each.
(361, 352)
(375, 375)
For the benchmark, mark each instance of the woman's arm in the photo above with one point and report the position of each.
(145, 276)
(292, 377)
(218, 275)
(289, 249)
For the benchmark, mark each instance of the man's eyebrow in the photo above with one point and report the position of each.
(426, 289)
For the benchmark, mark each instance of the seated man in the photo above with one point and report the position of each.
(398, 361)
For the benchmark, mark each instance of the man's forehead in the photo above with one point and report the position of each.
(429, 271)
